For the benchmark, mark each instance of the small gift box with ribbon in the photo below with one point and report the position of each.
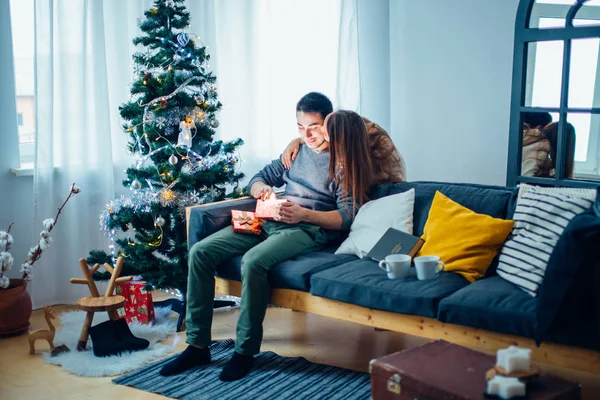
(245, 222)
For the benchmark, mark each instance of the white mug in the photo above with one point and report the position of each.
(428, 267)
(397, 266)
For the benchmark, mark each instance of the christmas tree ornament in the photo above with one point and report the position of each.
(203, 188)
(199, 99)
(154, 11)
(164, 103)
(200, 116)
(214, 123)
(170, 3)
(185, 132)
(183, 39)
(194, 196)
(136, 185)
(167, 198)
(173, 159)
(160, 221)
(160, 122)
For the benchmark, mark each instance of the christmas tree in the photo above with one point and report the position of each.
(169, 122)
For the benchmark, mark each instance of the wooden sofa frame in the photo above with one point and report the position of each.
(479, 339)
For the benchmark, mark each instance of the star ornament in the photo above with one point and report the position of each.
(514, 359)
(167, 198)
(505, 387)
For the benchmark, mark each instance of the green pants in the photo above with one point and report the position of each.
(277, 242)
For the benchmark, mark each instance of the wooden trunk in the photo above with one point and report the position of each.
(444, 371)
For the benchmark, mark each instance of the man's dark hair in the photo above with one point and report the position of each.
(315, 102)
(535, 119)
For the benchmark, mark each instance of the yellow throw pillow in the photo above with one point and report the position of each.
(466, 241)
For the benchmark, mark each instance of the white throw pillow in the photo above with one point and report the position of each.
(374, 218)
(540, 218)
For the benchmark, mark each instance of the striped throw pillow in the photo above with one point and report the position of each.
(540, 218)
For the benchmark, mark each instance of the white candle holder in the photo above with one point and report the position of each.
(514, 359)
(505, 387)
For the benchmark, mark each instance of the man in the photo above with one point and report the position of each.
(314, 215)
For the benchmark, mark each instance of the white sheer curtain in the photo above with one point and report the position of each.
(266, 54)
(83, 53)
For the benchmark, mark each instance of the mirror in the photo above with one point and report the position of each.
(541, 118)
(544, 73)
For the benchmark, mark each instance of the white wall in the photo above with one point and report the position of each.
(374, 60)
(16, 194)
(451, 74)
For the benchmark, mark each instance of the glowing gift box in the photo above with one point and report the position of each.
(268, 209)
(245, 222)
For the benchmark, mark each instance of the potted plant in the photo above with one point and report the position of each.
(15, 303)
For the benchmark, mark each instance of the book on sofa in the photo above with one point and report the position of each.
(394, 241)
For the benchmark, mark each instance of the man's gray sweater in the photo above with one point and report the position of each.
(307, 184)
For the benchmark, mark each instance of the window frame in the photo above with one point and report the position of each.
(524, 35)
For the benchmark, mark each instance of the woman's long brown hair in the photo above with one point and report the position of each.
(350, 161)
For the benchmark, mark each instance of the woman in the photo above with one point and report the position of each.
(357, 136)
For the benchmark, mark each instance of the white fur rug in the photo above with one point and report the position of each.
(84, 363)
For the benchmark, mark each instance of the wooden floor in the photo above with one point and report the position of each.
(287, 333)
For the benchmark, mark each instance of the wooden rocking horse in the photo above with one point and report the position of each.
(95, 303)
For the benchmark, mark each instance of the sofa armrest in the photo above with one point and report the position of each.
(205, 219)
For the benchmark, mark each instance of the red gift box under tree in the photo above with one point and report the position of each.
(138, 302)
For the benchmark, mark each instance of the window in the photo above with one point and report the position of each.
(21, 14)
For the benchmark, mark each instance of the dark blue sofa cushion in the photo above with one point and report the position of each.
(570, 292)
(490, 200)
(291, 274)
(362, 283)
(493, 304)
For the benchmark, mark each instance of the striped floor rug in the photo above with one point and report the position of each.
(272, 377)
